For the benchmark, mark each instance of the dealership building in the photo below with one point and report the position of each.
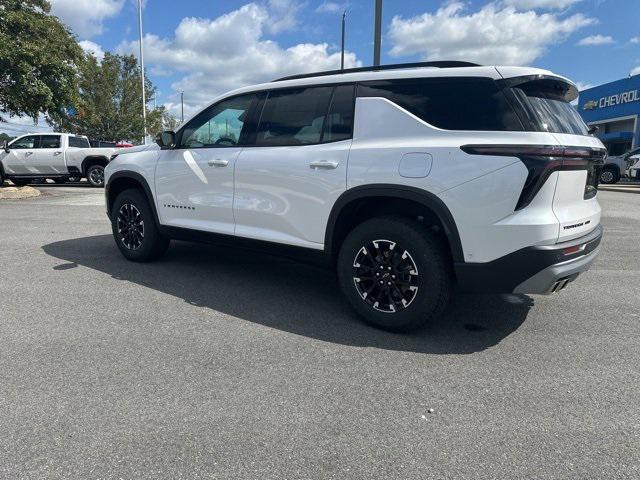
(614, 107)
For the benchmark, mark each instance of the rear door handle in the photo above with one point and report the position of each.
(57, 153)
(218, 162)
(324, 164)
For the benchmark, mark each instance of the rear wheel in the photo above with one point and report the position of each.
(609, 175)
(95, 175)
(134, 228)
(394, 273)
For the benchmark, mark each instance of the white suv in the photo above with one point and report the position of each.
(412, 179)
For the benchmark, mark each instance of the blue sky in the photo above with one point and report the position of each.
(206, 47)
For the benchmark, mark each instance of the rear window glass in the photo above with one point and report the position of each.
(50, 141)
(451, 103)
(547, 108)
(79, 142)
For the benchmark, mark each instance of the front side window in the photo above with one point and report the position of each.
(79, 142)
(450, 103)
(293, 116)
(219, 126)
(25, 142)
(49, 141)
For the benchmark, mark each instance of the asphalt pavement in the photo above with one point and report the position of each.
(232, 364)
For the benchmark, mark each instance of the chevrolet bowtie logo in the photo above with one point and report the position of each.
(590, 105)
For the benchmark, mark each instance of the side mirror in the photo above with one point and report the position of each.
(593, 129)
(5, 146)
(166, 139)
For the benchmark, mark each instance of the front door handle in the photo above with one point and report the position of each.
(26, 154)
(218, 162)
(324, 164)
(57, 153)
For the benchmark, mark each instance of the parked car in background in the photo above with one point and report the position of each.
(62, 157)
(617, 166)
(633, 171)
(410, 180)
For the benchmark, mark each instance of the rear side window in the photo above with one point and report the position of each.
(293, 116)
(339, 122)
(49, 141)
(79, 142)
(451, 103)
(547, 108)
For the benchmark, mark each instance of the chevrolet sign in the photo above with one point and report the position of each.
(612, 100)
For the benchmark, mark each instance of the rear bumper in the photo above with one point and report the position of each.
(539, 269)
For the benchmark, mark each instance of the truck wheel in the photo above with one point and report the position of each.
(609, 175)
(95, 175)
(394, 273)
(21, 182)
(134, 228)
(1, 177)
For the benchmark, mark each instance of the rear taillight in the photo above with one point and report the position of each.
(542, 160)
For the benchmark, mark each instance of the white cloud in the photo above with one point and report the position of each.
(93, 48)
(492, 35)
(635, 71)
(592, 40)
(283, 15)
(332, 7)
(230, 51)
(541, 4)
(635, 40)
(85, 17)
(583, 86)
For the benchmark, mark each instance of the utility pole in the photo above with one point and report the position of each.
(144, 100)
(181, 108)
(344, 14)
(377, 33)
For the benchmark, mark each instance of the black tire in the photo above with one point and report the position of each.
(432, 279)
(21, 182)
(95, 175)
(152, 244)
(609, 175)
(2, 178)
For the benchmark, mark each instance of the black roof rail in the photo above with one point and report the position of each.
(395, 66)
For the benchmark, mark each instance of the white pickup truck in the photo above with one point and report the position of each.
(61, 157)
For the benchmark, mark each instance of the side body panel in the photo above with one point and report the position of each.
(480, 191)
(281, 197)
(194, 188)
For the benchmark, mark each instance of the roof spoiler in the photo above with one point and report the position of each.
(396, 66)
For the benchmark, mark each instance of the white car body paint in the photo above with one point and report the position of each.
(272, 193)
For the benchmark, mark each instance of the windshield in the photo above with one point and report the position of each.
(546, 104)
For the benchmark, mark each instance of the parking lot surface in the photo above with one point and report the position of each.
(226, 363)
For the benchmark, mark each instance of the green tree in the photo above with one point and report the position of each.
(110, 96)
(39, 60)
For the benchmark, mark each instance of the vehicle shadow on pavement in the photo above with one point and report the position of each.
(297, 297)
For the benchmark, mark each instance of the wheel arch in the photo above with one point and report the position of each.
(121, 181)
(93, 160)
(390, 198)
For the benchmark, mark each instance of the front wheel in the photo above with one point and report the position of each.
(95, 175)
(394, 273)
(134, 228)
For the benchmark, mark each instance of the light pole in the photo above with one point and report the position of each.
(144, 100)
(181, 108)
(344, 14)
(377, 33)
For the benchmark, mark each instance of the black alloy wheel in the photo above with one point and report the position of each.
(130, 226)
(385, 275)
